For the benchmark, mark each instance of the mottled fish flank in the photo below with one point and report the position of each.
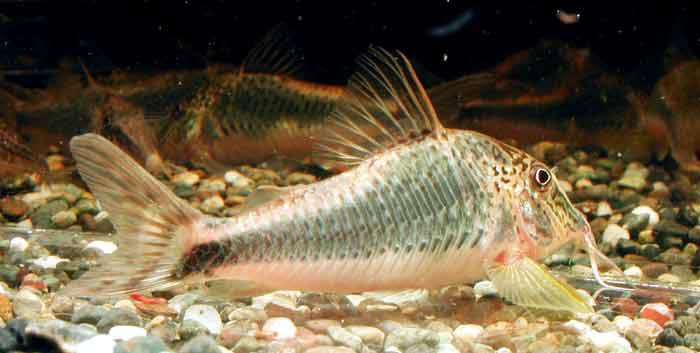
(421, 207)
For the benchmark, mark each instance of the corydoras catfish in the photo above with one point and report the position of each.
(421, 207)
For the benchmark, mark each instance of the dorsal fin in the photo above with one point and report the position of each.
(275, 54)
(386, 105)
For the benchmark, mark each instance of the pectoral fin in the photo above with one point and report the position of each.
(526, 283)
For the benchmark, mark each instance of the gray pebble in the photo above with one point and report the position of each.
(41, 218)
(634, 222)
(671, 228)
(190, 328)
(682, 349)
(88, 314)
(409, 336)
(27, 303)
(669, 337)
(344, 337)
(118, 316)
(143, 344)
(692, 340)
(200, 344)
(248, 344)
(8, 274)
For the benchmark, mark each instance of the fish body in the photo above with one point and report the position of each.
(421, 207)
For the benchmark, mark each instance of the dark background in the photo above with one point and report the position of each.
(631, 38)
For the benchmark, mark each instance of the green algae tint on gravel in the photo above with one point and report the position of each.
(423, 207)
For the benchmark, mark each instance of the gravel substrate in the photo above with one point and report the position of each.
(645, 218)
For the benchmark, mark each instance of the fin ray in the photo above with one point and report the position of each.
(526, 283)
(142, 211)
(274, 54)
(387, 105)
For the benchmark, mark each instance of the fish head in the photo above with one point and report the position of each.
(538, 210)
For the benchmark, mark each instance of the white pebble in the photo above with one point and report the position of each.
(355, 299)
(653, 215)
(18, 244)
(48, 261)
(446, 348)
(633, 272)
(608, 341)
(484, 288)
(668, 278)
(503, 350)
(468, 333)
(237, 180)
(579, 327)
(622, 323)
(614, 233)
(205, 315)
(282, 327)
(105, 247)
(101, 216)
(604, 209)
(125, 333)
(96, 344)
(25, 224)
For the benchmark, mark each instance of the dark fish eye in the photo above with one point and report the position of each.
(542, 176)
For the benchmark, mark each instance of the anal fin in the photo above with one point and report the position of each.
(526, 283)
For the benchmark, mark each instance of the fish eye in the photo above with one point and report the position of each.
(542, 176)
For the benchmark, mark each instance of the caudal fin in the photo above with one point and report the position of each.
(151, 222)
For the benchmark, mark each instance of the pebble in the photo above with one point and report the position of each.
(206, 315)
(608, 341)
(669, 337)
(187, 179)
(183, 301)
(653, 216)
(468, 333)
(343, 337)
(300, 178)
(692, 340)
(48, 261)
(190, 328)
(212, 204)
(484, 289)
(250, 344)
(18, 244)
(13, 209)
(118, 317)
(88, 314)
(104, 247)
(6, 313)
(96, 344)
(669, 278)
(143, 344)
(622, 323)
(604, 209)
(654, 269)
(125, 333)
(405, 337)
(613, 233)
(658, 312)
(633, 272)
(370, 336)
(634, 176)
(321, 325)
(27, 303)
(200, 344)
(329, 349)
(213, 185)
(238, 180)
(64, 219)
(282, 327)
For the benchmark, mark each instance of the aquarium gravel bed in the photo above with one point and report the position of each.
(645, 218)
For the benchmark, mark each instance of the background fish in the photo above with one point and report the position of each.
(423, 207)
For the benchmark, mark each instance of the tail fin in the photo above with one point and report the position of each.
(151, 222)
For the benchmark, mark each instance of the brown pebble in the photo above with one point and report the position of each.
(625, 306)
(13, 209)
(5, 308)
(654, 269)
(88, 222)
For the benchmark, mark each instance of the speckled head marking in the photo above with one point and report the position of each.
(539, 206)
